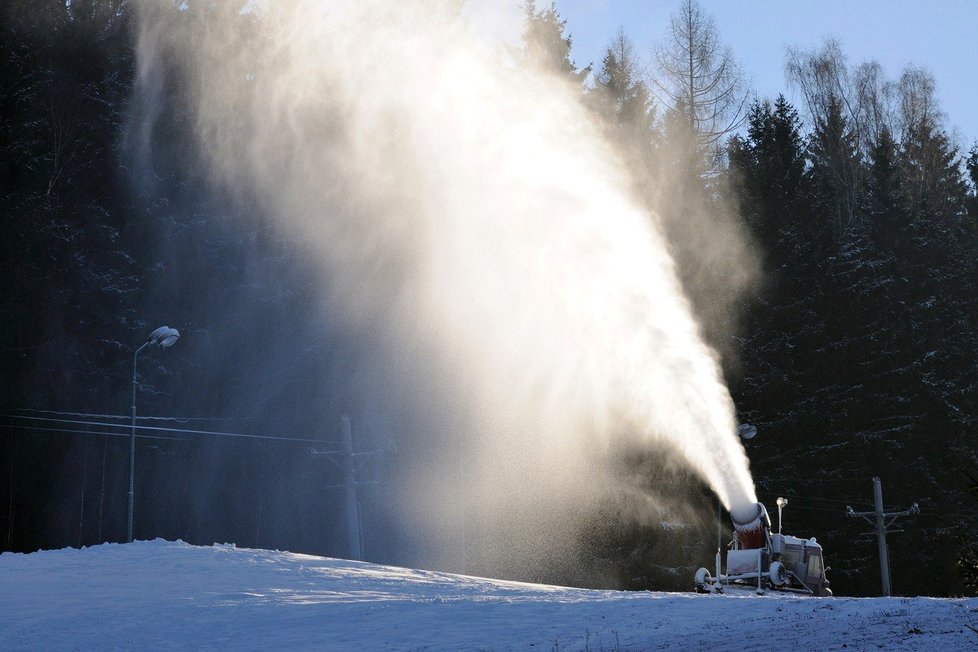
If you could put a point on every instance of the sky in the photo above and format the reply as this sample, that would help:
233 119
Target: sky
940 36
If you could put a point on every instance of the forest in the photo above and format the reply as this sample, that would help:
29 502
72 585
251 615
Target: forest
846 326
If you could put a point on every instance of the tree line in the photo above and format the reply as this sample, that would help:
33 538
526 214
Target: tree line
841 302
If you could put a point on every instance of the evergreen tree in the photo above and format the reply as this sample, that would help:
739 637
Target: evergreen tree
544 43
971 164
836 169
769 166
682 155
67 279
884 188
933 185
620 90
883 181
968 557
624 104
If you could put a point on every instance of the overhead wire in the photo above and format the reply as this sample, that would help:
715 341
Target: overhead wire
138 417
822 499
817 500
90 432
216 433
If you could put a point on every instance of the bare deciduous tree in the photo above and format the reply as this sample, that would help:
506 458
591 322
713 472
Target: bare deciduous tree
832 99
697 76
874 102
823 78
64 146
869 102
867 106
917 102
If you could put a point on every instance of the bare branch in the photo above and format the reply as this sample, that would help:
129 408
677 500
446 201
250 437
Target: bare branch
697 77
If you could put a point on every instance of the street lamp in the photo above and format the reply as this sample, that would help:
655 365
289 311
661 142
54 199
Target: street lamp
781 503
163 337
746 431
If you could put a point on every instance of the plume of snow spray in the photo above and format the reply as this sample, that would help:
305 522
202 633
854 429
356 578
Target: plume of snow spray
468 215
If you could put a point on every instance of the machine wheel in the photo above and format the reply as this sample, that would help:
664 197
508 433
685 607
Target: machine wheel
702 580
778 574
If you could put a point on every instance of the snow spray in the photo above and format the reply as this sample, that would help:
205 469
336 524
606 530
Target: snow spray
469 217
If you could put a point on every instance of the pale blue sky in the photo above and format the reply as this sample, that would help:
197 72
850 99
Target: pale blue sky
939 35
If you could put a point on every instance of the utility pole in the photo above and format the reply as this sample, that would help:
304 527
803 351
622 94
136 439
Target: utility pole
878 519
350 485
349 463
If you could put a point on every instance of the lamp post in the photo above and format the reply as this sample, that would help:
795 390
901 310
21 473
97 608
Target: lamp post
163 337
781 503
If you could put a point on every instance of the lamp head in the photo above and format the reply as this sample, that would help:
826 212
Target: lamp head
164 336
746 431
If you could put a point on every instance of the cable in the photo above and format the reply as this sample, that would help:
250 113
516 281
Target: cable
89 432
808 508
822 499
122 416
122 434
181 430
821 480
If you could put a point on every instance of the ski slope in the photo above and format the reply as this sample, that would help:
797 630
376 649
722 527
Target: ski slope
159 595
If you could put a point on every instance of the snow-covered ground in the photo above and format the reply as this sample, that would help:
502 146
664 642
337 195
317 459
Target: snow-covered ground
158 595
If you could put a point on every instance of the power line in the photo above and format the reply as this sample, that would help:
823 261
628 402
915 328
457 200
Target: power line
819 499
94 433
127 417
821 480
809 508
216 433
90 432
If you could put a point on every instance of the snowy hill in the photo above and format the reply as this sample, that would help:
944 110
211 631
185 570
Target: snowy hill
163 595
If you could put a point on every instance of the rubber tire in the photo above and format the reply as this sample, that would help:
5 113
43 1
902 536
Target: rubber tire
778 574
702 580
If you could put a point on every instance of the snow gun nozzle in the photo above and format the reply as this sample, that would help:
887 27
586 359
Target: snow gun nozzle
751 525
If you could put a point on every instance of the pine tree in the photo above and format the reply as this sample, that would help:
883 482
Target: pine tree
544 43
836 169
68 278
770 167
623 102
971 164
884 188
968 557
931 170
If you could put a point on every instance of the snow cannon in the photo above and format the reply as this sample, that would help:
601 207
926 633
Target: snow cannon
752 526
759 561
